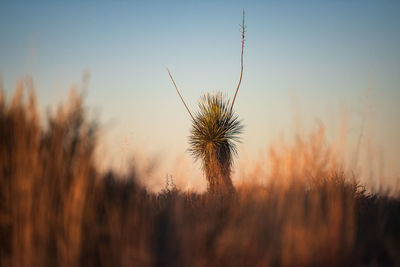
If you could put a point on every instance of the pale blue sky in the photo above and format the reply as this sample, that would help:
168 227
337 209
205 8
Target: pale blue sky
308 59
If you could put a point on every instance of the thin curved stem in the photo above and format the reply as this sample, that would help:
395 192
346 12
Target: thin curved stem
183 101
241 64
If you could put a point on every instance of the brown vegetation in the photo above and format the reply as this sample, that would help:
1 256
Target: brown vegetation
56 209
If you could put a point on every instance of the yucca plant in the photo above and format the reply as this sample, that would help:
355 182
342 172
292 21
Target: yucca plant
213 135
215 131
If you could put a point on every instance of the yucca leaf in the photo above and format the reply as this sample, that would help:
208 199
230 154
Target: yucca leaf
214 124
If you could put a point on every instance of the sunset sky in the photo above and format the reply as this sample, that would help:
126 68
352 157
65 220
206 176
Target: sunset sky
305 63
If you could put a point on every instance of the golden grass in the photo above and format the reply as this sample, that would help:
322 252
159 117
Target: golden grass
57 209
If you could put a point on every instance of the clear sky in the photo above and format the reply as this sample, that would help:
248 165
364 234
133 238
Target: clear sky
304 61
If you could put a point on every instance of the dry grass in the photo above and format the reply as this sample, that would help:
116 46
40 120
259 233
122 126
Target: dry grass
56 209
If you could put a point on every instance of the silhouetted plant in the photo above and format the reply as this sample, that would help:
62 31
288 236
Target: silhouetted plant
214 132
215 129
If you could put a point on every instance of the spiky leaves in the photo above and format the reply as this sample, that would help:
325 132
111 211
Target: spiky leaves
213 139
214 133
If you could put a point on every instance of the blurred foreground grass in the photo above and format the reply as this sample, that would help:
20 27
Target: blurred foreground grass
57 209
